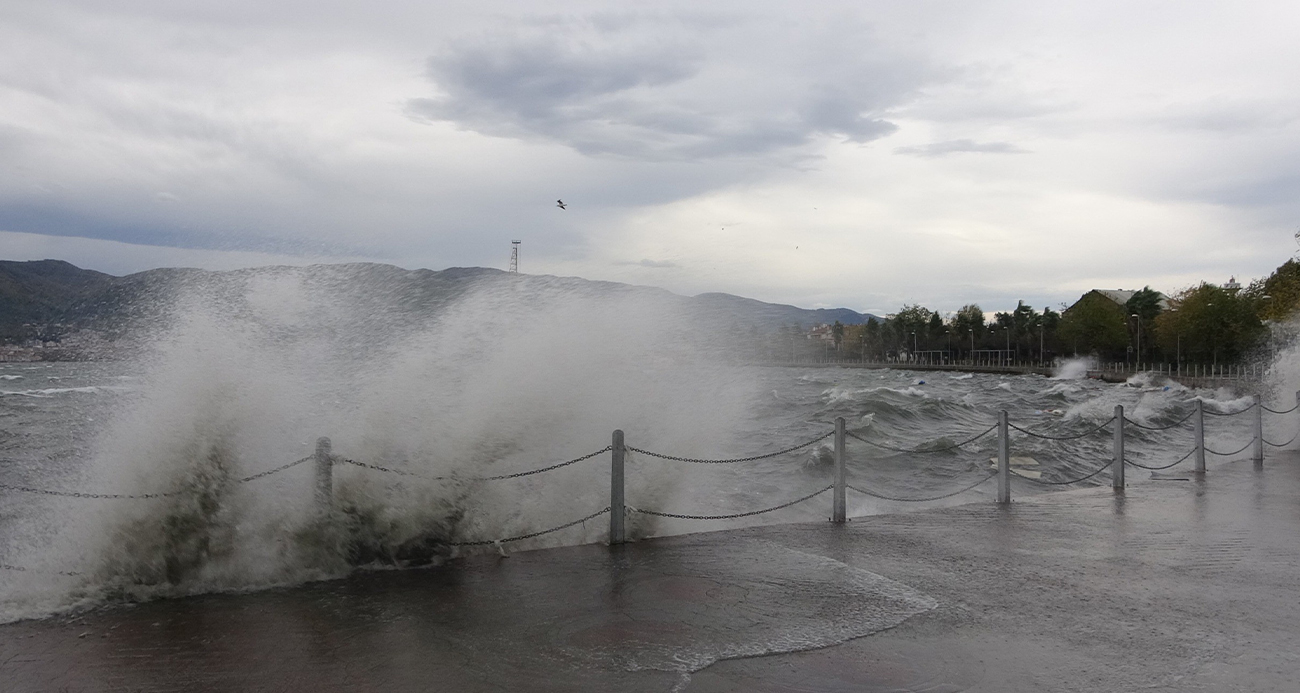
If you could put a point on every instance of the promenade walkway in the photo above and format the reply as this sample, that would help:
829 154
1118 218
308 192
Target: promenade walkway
1176 585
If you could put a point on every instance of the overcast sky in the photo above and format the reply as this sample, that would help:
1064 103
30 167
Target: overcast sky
851 154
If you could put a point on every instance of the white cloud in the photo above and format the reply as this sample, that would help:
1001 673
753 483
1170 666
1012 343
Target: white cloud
749 148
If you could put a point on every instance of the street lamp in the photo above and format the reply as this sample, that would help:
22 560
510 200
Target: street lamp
1139 334
914 356
1007 329
1042 326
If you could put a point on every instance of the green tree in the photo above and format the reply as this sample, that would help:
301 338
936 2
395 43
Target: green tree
911 320
1145 304
1094 324
1210 324
968 324
1278 295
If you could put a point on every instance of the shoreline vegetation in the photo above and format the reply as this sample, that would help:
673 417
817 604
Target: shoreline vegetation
1204 327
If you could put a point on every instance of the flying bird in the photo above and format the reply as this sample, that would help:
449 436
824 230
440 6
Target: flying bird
560 204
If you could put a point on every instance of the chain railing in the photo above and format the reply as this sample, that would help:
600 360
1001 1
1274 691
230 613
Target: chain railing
1044 436
1066 482
733 460
923 449
732 516
453 477
926 499
142 496
1238 451
1176 462
618 509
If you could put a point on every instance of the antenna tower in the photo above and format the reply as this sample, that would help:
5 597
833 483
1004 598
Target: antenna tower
514 256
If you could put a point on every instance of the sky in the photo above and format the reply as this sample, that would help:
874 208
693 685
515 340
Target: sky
824 154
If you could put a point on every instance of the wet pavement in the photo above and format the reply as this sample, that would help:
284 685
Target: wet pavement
1173 585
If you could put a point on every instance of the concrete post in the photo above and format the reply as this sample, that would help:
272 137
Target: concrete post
840 503
616 510
1258 455
1117 467
1004 458
1198 422
324 495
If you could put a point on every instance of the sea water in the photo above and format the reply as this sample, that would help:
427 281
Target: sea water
494 384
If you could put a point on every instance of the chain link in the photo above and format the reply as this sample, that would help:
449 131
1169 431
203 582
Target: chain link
1282 445
277 470
20 569
516 475
1243 411
732 516
1062 483
489 542
1234 452
1047 437
695 460
1284 411
920 500
79 494
1131 463
1161 428
141 496
922 450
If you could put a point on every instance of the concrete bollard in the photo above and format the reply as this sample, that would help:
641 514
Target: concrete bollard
1258 454
839 509
324 495
616 500
1117 467
1004 458
1198 425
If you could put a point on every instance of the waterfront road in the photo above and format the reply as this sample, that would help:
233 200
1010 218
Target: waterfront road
1189 585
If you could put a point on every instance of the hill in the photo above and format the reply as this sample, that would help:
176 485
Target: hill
52 299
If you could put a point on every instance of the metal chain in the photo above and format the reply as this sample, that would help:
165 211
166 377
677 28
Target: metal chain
733 516
1131 463
1047 437
1062 483
1161 428
516 475
521 537
733 460
1228 454
1284 411
277 470
920 500
922 450
20 569
141 496
79 494
1266 441
1243 411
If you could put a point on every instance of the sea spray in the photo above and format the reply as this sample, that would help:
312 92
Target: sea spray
515 374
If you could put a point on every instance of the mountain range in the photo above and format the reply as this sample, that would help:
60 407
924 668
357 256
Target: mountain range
49 299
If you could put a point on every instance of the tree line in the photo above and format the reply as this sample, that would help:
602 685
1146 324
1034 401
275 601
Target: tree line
1205 323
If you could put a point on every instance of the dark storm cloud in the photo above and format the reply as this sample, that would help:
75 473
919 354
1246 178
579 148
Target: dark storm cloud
960 146
126 226
647 90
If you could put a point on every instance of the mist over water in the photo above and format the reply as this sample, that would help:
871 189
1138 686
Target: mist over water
514 373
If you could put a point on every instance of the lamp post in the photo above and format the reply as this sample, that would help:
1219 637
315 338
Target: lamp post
914 357
1139 339
1007 358
1042 327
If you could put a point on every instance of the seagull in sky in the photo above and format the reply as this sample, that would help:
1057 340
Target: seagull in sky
560 204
